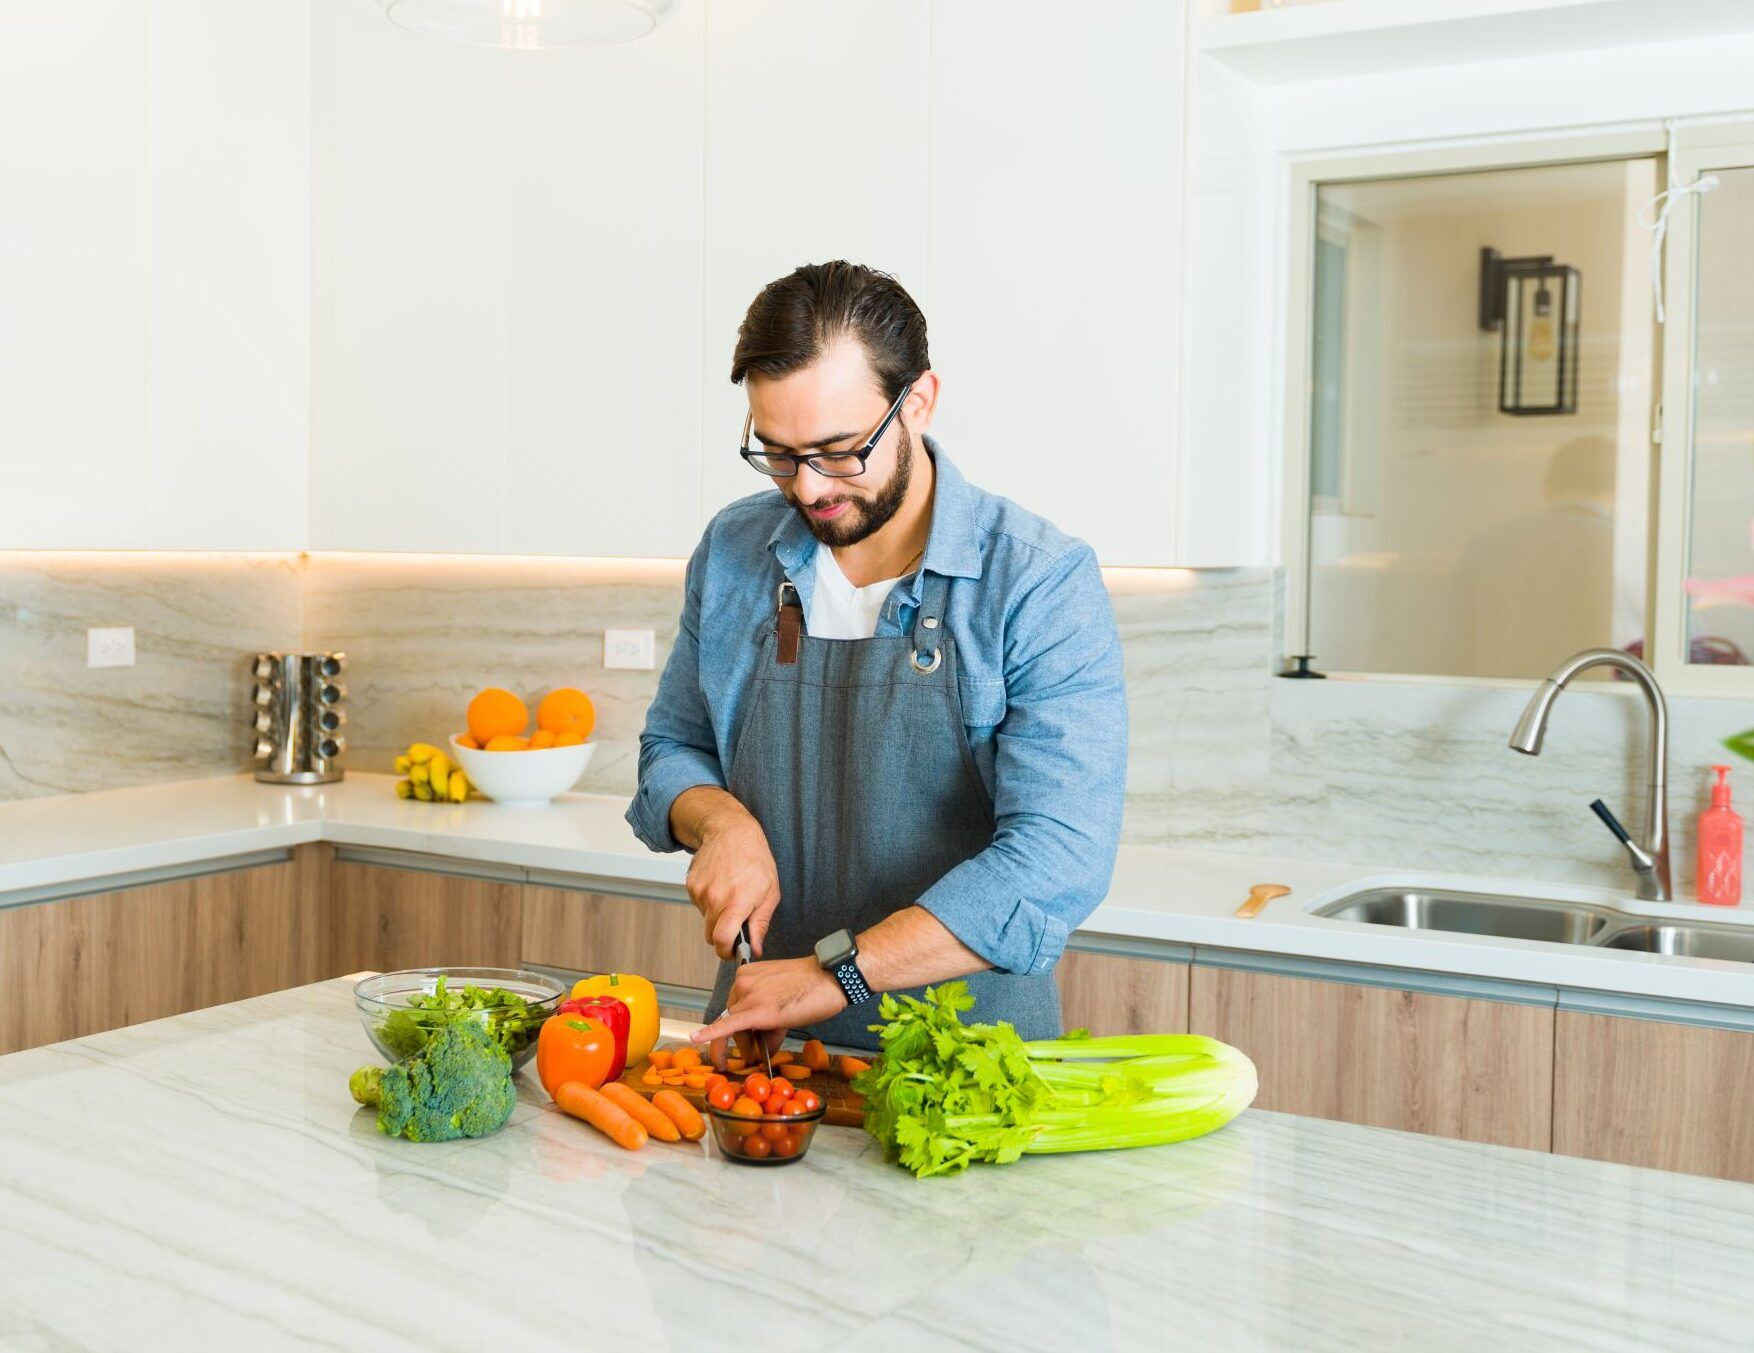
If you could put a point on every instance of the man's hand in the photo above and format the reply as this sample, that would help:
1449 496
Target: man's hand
732 878
767 999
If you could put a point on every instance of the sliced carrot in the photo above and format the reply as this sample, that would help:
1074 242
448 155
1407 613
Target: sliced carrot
683 1058
815 1056
852 1066
794 1071
661 1057
736 1065
672 1077
686 1117
781 1057
581 1101
696 1081
652 1077
637 1107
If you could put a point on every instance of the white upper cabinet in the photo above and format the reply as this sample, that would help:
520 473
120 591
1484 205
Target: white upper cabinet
1054 207
154 336
507 293
816 134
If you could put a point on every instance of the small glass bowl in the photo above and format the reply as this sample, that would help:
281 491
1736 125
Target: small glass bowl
783 1138
384 998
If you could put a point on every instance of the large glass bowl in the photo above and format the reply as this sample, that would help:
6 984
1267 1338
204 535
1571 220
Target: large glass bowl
397 1029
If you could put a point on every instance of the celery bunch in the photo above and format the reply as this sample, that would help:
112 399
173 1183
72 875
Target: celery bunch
946 1094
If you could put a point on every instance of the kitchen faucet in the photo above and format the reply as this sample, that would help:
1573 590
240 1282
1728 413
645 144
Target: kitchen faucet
1650 860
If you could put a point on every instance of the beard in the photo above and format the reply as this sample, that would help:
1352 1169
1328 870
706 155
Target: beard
864 517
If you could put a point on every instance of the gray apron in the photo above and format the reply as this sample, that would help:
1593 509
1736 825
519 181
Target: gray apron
855 762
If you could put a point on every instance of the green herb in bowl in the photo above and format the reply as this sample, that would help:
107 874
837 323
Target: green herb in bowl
402 1011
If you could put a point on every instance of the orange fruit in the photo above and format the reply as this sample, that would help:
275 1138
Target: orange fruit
570 738
567 710
496 713
542 737
507 742
465 740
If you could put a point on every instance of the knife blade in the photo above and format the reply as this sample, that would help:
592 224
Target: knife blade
745 952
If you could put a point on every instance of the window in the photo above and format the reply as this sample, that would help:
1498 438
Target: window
1475 433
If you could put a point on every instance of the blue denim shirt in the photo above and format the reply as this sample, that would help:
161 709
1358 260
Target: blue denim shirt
1043 700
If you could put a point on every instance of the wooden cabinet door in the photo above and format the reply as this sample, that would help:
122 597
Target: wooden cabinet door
600 932
1114 994
1642 1092
86 964
1475 1069
383 919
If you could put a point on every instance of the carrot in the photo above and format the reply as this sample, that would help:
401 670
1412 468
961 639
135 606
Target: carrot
815 1056
686 1117
852 1066
782 1057
652 1077
736 1065
683 1058
639 1108
794 1071
672 1077
696 1082
661 1058
602 1113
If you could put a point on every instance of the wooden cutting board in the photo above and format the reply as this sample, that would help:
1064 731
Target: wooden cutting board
843 1107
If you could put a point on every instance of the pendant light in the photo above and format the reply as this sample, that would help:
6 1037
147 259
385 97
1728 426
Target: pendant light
530 25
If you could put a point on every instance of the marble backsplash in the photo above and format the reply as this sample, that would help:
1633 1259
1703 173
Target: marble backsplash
1224 755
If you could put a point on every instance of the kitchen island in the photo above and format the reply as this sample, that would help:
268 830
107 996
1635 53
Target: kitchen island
205 1181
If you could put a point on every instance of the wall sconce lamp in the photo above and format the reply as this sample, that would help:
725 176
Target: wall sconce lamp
1533 303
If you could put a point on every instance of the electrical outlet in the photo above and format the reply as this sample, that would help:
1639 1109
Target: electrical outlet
110 647
636 649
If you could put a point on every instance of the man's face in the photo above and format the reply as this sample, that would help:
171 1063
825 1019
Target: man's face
834 405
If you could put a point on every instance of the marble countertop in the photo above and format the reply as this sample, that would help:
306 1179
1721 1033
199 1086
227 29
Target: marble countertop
205 1181
1176 896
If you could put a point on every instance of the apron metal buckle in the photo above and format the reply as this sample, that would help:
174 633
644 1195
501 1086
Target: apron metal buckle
926 668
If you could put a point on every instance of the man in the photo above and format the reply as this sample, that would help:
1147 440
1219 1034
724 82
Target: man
893 727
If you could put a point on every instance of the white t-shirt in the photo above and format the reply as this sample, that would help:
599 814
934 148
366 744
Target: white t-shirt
838 610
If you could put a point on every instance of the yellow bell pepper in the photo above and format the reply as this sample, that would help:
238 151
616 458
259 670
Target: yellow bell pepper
641 999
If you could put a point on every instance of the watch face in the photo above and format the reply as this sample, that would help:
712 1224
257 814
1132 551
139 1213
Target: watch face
834 950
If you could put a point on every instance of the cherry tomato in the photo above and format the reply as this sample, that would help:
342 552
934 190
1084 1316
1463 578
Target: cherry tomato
721 1096
809 1099
757 1148
716 1079
774 1131
745 1108
778 1092
792 1108
787 1146
757 1087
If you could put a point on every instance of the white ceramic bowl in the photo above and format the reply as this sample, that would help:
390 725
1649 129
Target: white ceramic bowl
523 779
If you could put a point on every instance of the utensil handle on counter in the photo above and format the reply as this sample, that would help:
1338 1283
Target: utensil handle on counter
1259 896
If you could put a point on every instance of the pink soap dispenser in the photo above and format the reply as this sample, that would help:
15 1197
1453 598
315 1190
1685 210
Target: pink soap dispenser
1719 878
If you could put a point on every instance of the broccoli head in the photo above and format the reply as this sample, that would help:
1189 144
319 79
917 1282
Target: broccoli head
458 1085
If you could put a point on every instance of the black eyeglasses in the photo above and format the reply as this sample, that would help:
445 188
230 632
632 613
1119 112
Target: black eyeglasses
832 464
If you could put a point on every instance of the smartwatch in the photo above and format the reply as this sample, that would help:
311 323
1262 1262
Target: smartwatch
838 954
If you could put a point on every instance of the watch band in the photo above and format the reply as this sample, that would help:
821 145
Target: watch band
852 982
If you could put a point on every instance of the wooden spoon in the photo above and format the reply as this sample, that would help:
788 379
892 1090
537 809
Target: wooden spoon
1259 896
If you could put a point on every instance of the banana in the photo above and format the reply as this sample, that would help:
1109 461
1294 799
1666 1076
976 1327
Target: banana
438 776
419 774
402 765
404 789
423 792
459 786
422 752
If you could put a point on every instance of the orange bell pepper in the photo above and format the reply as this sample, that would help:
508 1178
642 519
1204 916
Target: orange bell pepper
573 1048
641 999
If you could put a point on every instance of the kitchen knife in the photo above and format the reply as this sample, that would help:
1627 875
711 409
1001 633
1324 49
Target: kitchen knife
745 952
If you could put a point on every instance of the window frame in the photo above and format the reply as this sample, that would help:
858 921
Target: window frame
1304 177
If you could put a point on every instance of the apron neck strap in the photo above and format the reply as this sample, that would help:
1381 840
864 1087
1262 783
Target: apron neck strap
788 625
929 623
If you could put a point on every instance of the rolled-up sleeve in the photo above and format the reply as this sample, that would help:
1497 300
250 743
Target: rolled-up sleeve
1060 774
677 750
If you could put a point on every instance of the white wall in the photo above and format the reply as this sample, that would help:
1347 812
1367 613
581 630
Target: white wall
154 330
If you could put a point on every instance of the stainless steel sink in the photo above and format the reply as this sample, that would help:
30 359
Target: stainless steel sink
1689 941
1517 918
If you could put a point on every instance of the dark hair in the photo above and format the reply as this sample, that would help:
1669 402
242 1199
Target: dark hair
795 319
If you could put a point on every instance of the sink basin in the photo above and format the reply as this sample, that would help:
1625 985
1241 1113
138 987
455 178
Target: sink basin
1691 941
1517 918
